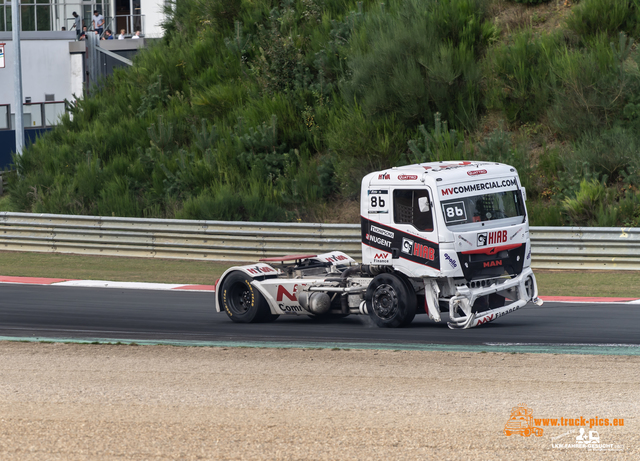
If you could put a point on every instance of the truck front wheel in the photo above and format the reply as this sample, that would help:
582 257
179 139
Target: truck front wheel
390 302
242 302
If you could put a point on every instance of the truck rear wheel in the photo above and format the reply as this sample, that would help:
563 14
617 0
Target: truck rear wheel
242 302
390 301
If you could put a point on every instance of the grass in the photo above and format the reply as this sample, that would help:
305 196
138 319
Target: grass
550 282
588 283
110 268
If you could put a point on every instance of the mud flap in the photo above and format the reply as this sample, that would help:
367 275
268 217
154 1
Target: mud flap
431 292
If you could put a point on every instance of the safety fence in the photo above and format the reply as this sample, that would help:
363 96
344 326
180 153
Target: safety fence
552 247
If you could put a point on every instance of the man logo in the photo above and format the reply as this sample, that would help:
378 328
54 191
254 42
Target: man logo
492 263
407 246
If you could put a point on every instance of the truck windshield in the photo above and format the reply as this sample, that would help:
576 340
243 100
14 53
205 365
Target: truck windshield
483 208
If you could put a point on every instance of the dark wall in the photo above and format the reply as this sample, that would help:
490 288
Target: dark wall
8 143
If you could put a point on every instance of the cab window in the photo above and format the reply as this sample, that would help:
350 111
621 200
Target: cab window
407 211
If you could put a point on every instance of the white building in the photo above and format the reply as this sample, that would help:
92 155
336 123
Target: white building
54 15
54 64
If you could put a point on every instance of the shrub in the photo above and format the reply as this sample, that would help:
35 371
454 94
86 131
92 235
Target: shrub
609 17
420 61
592 86
438 144
362 145
519 77
531 2
614 154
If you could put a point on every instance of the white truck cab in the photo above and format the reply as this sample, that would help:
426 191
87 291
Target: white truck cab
436 237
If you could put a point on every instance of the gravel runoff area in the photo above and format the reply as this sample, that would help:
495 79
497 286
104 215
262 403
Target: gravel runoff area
109 402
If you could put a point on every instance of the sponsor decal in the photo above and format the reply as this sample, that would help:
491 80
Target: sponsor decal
384 176
497 237
381 231
452 261
465 240
515 233
508 311
476 172
290 308
485 319
454 165
407 245
529 254
477 187
284 298
407 177
382 258
492 263
491 238
417 249
259 270
378 240
282 292
336 258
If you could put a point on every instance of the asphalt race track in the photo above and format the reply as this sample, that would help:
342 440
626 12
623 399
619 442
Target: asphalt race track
83 313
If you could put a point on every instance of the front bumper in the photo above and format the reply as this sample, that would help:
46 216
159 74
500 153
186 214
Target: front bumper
520 290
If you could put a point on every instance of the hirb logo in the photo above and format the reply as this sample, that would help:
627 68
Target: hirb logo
407 246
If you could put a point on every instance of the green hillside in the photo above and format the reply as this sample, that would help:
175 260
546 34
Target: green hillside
273 110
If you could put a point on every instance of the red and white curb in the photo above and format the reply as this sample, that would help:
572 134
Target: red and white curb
588 299
104 284
181 287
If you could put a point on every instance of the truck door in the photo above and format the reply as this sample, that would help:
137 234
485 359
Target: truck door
413 215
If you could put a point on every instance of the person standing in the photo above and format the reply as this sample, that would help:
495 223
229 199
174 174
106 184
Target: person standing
98 22
83 34
77 24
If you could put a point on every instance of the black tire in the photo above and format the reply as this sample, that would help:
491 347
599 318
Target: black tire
242 302
391 302
412 295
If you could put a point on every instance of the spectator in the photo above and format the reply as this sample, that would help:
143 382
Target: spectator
121 36
63 28
107 35
137 34
98 22
83 34
77 24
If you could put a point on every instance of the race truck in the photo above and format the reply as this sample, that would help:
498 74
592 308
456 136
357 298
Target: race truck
445 237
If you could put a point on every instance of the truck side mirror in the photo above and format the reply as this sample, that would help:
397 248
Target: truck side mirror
423 204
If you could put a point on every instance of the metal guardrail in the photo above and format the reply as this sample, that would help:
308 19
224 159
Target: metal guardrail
552 247
171 238
615 248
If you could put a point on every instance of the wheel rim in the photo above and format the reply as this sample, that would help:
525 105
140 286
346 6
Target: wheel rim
241 298
385 301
